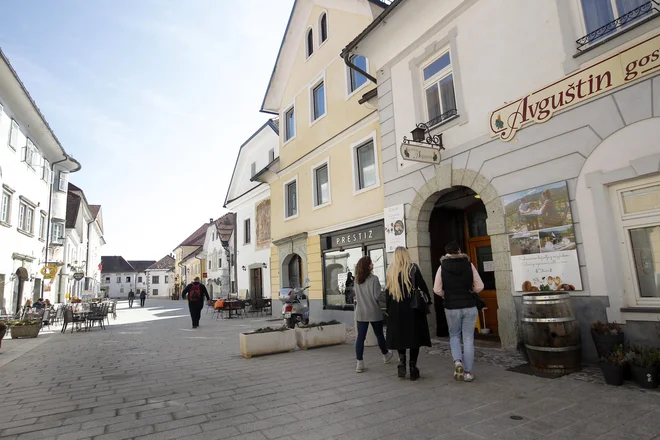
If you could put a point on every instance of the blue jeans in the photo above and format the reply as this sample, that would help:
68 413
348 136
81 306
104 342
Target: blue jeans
462 321
362 328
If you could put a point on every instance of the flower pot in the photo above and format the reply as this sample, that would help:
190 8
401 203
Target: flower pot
606 343
256 344
613 374
320 336
25 331
646 377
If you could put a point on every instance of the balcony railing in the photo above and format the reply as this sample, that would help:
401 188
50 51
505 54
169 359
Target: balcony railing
450 114
648 9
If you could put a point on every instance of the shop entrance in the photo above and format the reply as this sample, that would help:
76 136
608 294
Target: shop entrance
460 215
256 284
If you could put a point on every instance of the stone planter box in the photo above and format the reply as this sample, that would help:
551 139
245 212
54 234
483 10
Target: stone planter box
320 336
257 344
25 331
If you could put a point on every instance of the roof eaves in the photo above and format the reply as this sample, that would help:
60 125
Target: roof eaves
362 35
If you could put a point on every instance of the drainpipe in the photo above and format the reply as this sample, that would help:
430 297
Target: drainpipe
50 206
349 63
201 272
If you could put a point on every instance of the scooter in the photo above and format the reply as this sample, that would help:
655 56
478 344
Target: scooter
295 306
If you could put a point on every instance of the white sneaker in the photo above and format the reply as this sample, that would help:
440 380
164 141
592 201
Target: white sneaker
468 377
458 370
387 357
360 367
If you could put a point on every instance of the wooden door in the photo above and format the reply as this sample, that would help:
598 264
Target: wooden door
481 255
256 292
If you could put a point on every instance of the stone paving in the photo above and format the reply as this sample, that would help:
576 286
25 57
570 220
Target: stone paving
149 376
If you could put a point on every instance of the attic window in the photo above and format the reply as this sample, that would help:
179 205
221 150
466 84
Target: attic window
323 25
310 43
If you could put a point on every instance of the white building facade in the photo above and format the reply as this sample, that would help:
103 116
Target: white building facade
250 200
160 276
34 171
217 251
533 102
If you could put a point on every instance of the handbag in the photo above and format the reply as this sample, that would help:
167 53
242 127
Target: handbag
419 299
480 302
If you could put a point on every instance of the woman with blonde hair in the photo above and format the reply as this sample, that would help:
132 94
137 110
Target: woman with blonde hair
407 328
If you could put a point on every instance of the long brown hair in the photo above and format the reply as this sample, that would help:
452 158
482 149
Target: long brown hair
363 269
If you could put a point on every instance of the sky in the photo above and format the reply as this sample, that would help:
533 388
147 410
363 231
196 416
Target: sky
152 97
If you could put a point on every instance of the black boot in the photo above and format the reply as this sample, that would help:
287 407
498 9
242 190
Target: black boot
402 365
414 371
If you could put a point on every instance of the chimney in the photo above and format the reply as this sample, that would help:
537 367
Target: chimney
211 221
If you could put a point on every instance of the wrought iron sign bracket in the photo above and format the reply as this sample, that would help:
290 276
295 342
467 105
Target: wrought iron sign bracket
422 134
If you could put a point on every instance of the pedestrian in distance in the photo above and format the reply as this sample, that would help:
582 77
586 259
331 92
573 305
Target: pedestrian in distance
196 292
131 298
367 311
458 281
143 297
407 328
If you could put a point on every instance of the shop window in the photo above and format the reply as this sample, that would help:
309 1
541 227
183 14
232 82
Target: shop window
439 89
639 232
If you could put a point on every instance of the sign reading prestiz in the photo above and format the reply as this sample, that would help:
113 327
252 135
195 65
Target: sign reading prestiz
539 106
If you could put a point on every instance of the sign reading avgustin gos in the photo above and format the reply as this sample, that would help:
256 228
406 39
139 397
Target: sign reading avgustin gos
608 74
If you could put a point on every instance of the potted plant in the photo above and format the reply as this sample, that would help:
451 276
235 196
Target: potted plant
3 330
320 334
24 328
614 366
607 337
267 340
645 365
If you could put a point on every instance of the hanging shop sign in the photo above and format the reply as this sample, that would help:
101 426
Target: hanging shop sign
49 271
78 276
423 147
629 65
395 227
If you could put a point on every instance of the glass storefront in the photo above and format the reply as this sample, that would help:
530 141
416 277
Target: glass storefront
341 252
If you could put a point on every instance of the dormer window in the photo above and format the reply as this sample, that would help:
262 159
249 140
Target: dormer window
309 42
323 28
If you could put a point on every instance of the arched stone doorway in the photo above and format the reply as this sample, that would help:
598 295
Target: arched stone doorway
418 237
292 271
19 285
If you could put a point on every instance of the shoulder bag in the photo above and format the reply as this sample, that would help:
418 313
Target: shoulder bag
419 299
480 302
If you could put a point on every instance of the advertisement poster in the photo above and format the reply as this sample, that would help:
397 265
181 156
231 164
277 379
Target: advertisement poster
395 227
542 239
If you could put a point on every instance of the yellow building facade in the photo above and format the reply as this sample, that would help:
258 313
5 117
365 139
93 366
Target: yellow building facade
326 191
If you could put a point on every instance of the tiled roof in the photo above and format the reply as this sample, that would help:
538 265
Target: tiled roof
167 262
95 210
192 254
115 263
72 208
196 238
141 265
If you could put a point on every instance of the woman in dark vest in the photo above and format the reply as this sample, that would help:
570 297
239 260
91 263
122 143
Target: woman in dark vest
455 281
407 328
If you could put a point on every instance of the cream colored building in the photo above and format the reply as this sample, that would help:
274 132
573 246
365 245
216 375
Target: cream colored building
326 192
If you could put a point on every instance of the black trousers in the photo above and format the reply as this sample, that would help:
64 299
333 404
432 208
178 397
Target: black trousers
414 354
142 300
130 302
195 312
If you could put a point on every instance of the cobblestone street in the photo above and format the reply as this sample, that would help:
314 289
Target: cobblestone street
149 376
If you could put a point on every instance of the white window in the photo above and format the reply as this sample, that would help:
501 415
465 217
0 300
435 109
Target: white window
438 83
154 292
289 124
121 289
45 171
166 279
253 169
118 280
128 279
29 153
321 184
317 98
42 226
62 181
247 237
291 198
57 234
5 208
355 79
638 218
323 28
598 13
107 279
309 42
25 218
365 164
13 135
155 279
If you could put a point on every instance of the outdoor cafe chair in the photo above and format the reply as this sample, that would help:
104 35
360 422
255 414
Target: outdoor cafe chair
97 315
45 319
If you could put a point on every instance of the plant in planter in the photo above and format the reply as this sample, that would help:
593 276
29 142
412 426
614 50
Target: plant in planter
267 340
3 330
607 337
24 328
614 365
645 366
320 334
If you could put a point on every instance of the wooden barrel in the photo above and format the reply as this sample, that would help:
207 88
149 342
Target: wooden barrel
550 332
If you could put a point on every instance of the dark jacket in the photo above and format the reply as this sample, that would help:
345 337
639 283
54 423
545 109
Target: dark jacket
202 290
131 295
457 280
143 295
407 328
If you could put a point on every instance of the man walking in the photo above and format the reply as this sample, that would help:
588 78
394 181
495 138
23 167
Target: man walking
131 298
196 293
143 297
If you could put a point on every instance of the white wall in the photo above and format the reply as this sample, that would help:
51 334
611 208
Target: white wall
165 289
115 288
217 264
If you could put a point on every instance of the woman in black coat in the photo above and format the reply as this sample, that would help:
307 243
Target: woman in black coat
407 328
